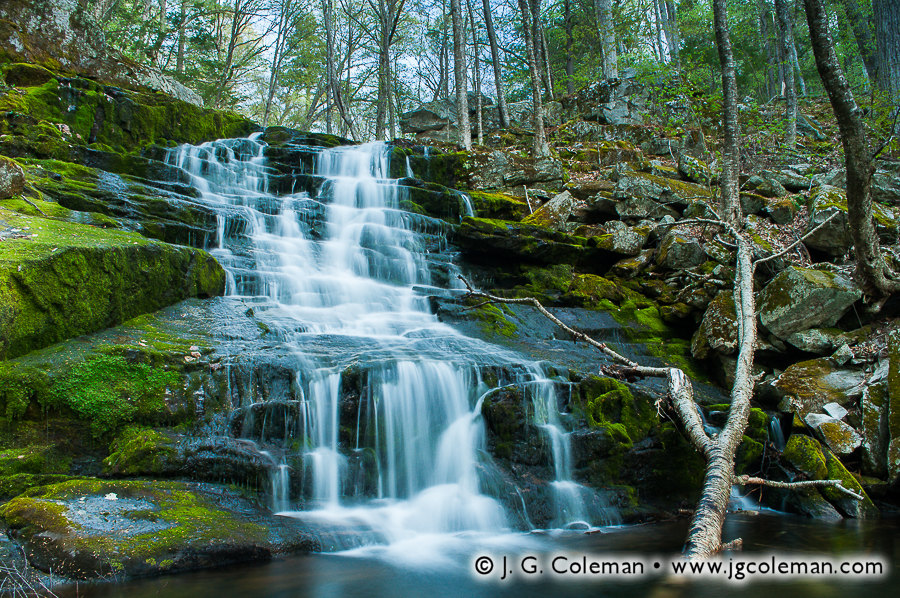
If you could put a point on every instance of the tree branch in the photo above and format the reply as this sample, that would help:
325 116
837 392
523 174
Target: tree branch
745 480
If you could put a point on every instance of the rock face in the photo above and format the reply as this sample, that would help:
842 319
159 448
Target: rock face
801 298
621 101
438 120
59 280
814 383
62 35
12 178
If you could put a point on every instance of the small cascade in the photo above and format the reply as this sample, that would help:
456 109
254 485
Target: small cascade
409 170
380 434
776 433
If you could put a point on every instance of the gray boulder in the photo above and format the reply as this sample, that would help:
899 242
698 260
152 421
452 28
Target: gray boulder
12 178
802 298
680 249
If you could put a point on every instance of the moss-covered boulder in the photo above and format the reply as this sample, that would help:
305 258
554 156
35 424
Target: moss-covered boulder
874 422
482 239
893 423
89 529
813 384
816 462
555 213
679 250
498 205
59 280
718 330
802 298
834 237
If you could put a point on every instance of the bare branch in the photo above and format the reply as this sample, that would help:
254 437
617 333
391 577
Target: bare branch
795 243
836 484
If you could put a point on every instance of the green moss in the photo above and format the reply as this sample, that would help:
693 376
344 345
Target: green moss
139 451
494 320
109 391
610 404
66 279
495 204
805 454
748 456
184 519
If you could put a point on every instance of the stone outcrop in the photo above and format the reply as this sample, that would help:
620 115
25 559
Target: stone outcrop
61 35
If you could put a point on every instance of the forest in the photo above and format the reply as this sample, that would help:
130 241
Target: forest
352 67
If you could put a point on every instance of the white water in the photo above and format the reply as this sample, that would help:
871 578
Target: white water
337 278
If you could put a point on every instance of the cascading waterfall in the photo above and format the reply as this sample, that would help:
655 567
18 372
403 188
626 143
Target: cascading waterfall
338 277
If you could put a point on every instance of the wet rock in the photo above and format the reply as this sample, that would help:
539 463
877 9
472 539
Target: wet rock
839 436
718 330
89 529
12 178
801 298
815 462
680 250
875 421
814 383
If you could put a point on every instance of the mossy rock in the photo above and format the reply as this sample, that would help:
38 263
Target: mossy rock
814 383
498 205
88 529
60 280
718 330
119 119
802 298
609 403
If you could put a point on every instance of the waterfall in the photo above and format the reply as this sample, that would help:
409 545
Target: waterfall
338 278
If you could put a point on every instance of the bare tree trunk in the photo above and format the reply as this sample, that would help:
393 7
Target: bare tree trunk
495 58
570 60
610 58
767 41
785 28
870 266
479 109
459 74
182 24
540 148
673 35
887 58
445 52
545 54
327 14
861 25
731 151
657 39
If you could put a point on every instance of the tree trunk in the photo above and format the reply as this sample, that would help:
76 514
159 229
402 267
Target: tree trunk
887 57
785 28
182 23
327 13
861 25
495 58
459 74
540 148
479 109
545 54
570 60
610 60
673 35
767 41
731 151
870 267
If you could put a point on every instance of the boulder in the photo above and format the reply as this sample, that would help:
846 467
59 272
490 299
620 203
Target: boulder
875 418
621 101
839 436
63 35
12 178
694 169
789 179
812 384
438 120
679 250
802 298
718 330
619 238
834 238
780 210
765 185
92 529
886 183
555 213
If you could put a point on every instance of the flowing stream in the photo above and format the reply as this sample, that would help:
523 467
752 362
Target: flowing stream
340 279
